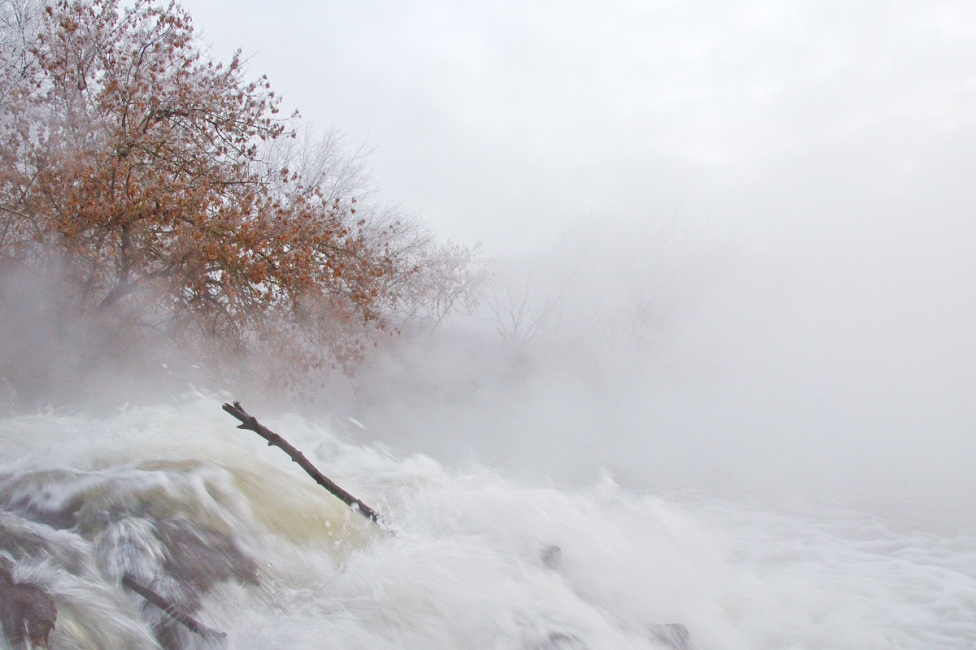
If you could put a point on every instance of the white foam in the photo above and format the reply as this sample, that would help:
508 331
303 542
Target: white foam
467 566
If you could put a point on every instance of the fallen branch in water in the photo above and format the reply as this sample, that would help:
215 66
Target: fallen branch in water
250 423
170 610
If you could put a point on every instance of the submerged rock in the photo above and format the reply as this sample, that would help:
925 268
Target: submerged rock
27 611
672 635
552 556
561 641
150 524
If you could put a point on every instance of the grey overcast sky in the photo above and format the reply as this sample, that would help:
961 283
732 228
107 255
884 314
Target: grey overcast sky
812 120
832 142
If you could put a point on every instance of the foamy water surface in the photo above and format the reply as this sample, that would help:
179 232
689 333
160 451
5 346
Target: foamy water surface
467 559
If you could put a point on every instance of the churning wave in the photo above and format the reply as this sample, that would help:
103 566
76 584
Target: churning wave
232 533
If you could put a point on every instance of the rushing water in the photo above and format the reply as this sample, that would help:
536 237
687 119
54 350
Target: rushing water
231 531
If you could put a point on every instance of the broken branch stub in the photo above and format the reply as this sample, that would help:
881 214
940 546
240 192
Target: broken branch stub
250 423
171 610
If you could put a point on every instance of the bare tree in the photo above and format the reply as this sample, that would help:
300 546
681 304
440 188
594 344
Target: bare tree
523 311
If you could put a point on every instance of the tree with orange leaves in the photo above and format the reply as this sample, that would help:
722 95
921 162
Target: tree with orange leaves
142 171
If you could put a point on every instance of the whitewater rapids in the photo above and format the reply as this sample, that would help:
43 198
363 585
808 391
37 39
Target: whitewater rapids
470 559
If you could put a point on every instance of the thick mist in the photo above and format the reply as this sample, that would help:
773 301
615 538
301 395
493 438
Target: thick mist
689 360
54 357
730 244
671 354
716 389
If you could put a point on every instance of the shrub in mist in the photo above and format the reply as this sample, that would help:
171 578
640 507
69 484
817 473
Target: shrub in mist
167 191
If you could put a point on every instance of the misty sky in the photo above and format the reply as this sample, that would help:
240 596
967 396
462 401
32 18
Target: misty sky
499 121
830 144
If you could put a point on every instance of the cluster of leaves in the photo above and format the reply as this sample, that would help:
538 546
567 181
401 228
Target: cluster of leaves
153 180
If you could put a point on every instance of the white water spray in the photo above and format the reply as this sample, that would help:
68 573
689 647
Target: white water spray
473 564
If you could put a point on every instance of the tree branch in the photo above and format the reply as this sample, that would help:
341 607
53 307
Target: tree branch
250 423
170 610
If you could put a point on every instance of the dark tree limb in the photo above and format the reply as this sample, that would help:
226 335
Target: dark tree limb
171 610
250 423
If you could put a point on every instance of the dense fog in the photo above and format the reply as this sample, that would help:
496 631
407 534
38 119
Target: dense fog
726 247
674 344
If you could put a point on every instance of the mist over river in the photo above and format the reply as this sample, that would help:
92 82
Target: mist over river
679 352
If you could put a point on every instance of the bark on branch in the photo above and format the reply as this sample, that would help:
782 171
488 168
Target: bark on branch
250 423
